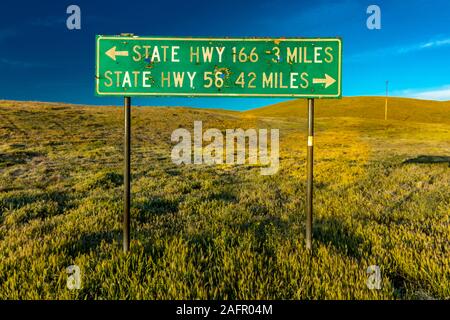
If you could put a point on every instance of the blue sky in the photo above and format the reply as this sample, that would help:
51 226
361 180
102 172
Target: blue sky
40 59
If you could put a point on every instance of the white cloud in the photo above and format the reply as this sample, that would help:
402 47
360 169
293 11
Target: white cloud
438 43
399 50
440 93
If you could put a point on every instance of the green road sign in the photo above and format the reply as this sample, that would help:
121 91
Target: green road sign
244 67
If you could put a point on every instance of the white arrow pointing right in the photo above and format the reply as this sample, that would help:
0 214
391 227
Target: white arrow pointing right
328 81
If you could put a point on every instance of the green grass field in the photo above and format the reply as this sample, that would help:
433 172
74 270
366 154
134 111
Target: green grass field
382 197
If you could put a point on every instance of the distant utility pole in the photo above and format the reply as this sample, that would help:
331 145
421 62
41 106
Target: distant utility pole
385 104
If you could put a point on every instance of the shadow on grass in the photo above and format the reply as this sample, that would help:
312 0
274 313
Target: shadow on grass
156 205
20 200
331 231
428 159
264 229
221 195
17 157
17 201
90 242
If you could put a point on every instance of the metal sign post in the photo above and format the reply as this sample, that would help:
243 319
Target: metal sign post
127 175
310 177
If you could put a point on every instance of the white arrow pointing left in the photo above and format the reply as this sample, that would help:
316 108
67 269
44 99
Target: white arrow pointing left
113 53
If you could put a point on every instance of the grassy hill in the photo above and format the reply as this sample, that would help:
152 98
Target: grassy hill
402 109
382 197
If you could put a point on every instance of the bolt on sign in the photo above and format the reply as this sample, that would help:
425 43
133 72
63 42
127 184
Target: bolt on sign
227 67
